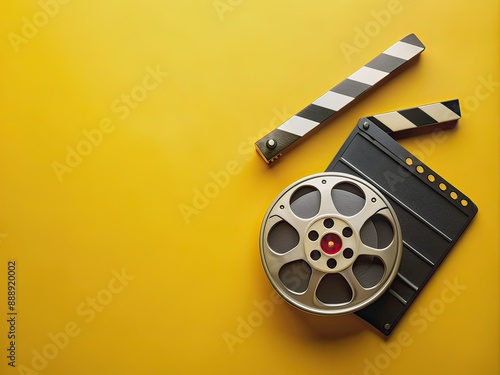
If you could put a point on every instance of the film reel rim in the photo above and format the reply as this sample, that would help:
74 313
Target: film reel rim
328 309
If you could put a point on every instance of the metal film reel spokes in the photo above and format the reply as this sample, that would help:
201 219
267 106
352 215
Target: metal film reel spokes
331 244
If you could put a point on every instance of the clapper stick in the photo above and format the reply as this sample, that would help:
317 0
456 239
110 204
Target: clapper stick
329 105
418 120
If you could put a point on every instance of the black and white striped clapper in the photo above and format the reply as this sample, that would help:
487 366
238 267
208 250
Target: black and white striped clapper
413 121
378 70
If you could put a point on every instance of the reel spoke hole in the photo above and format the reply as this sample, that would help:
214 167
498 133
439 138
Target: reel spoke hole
377 232
305 202
348 199
333 289
295 276
282 237
368 270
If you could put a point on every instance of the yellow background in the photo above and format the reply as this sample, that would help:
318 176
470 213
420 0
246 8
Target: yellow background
235 69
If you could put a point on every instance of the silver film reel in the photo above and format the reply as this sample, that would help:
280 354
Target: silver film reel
331 244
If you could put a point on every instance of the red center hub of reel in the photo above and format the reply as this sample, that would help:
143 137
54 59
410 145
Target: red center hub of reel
331 243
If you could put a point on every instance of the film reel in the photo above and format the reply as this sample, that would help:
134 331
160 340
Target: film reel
331 244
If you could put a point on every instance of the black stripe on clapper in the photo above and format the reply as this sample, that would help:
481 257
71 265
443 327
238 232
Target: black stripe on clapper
417 116
350 88
412 39
386 63
453 105
316 113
